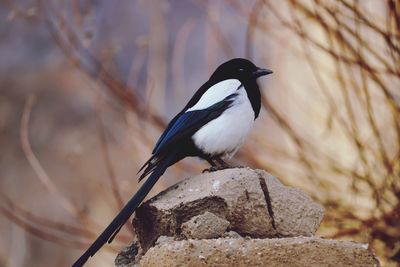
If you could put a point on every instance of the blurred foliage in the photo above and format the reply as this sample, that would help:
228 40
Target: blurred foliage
330 123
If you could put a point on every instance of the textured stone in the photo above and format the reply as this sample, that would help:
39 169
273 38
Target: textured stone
204 226
231 234
297 251
239 196
129 256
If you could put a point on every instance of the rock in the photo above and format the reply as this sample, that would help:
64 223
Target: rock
225 218
254 203
297 251
231 234
164 239
128 256
204 226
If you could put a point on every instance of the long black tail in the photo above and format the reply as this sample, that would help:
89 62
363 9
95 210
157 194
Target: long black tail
130 207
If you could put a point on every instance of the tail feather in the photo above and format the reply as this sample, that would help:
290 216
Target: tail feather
113 228
148 162
149 166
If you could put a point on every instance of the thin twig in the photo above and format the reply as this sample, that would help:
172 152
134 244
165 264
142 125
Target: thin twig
35 163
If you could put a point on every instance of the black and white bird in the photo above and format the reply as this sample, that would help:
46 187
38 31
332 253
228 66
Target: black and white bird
212 126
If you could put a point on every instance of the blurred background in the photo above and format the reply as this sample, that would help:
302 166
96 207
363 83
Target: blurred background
87 86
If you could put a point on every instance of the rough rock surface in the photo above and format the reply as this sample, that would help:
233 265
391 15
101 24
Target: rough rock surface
233 218
204 226
247 199
129 256
297 251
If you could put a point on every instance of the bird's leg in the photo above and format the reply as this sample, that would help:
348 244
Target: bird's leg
223 164
213 167
211 161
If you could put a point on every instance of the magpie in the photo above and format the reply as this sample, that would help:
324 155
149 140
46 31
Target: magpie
212 126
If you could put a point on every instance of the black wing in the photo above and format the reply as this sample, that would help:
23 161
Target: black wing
184 126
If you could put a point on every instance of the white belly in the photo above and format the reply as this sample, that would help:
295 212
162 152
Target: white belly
227 133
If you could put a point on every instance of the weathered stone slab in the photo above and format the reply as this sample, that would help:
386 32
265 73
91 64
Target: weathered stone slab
294 251
254 203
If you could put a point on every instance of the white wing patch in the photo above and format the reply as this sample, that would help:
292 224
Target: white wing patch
226 134
216 93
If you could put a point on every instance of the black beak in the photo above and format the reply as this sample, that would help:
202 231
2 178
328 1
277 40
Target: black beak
261 72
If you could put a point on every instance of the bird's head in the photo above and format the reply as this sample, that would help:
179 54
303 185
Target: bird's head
239 68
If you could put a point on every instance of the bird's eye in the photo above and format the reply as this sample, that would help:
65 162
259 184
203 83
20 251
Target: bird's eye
241 69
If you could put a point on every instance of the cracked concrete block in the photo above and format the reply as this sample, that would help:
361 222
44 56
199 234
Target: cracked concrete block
295 251
254 203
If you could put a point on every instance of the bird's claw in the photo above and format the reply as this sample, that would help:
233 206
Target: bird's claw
211 169
218 168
